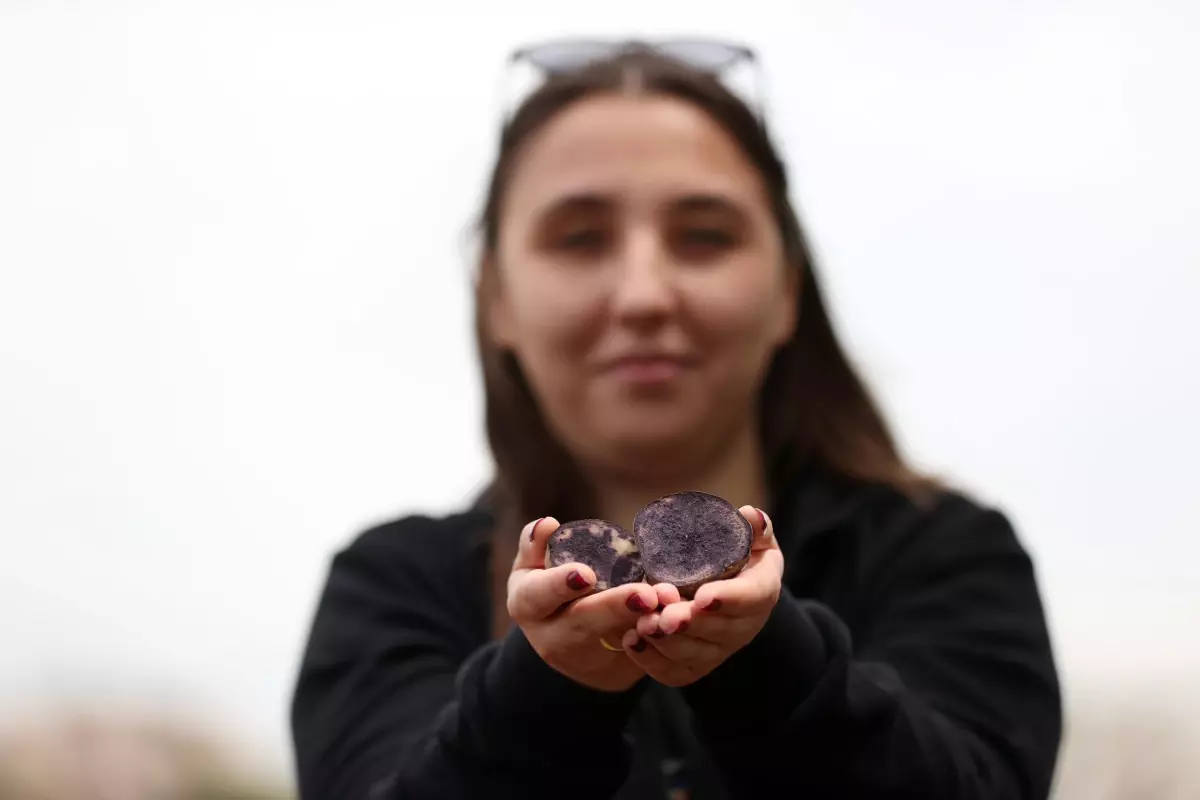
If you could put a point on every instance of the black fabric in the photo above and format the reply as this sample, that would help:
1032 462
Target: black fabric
907 658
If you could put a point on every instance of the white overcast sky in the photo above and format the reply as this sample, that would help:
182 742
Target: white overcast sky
234 321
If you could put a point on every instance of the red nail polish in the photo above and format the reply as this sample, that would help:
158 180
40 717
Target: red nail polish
575 581
636 603
638 646
533 527
713 605
762 519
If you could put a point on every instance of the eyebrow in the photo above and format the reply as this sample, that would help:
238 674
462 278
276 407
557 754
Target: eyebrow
708 202
580 201
599 201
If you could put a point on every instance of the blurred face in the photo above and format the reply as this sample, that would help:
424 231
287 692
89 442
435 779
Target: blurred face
642 282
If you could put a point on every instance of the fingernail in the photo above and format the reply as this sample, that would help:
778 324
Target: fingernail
766 521
636 603
576 581
533 528
713 605
658 633
638 646
682 627
762 519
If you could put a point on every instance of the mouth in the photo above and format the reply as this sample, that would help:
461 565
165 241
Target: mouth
647 368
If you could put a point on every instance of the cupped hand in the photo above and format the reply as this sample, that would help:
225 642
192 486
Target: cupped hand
564 619
690 638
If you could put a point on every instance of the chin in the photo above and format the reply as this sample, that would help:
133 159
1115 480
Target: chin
654 450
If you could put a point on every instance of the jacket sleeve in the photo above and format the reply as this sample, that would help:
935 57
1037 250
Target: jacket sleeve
950 690
393 702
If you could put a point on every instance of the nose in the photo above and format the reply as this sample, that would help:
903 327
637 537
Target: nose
645 293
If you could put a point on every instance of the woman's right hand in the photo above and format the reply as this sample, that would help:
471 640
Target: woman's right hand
564 619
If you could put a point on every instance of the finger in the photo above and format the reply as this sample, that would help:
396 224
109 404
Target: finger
764 529
710 627
616 609
537 594
755 586
676 617
639 650
667 593
531 552
662 669
648 627
683 648
649 658
715 628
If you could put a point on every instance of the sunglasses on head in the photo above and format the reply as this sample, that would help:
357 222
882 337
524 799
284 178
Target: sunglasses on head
561 56
716 57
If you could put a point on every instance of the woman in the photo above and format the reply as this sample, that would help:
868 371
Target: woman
649 322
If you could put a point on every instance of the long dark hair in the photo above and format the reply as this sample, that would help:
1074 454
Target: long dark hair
815 410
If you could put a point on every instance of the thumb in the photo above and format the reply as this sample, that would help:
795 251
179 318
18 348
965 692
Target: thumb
531 550
763 537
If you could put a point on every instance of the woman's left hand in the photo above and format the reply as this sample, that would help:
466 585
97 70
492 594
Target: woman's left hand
690 638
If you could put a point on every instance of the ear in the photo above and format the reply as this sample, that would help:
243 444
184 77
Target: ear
490 294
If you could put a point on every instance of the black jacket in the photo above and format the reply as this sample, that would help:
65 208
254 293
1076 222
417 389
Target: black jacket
907 658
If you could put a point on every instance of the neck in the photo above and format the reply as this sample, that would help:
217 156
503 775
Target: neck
735 474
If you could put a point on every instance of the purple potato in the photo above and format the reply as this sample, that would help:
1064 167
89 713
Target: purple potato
607 548
691 538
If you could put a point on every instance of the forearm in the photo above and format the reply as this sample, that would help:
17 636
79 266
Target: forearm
794 711
521 729
507 725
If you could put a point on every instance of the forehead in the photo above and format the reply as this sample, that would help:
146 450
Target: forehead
633 149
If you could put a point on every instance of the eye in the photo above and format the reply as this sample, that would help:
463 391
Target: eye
702 242
709 236
582 240
705 227
578 227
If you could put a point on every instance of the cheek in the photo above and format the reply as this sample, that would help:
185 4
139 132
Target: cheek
552 322
738 318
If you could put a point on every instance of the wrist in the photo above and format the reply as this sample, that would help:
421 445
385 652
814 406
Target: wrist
760 685
536 692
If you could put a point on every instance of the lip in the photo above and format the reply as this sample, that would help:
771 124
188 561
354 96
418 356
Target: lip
647 368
